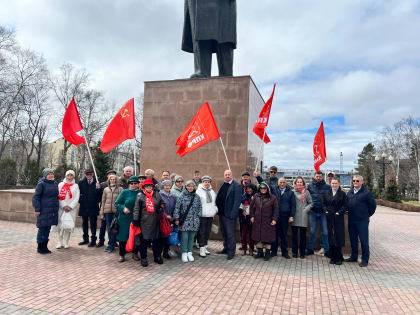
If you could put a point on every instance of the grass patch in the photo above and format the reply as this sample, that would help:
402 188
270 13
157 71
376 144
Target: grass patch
412 202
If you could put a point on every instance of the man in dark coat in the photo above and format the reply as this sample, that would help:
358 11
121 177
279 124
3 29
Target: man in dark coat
90 194
318 189
362 206
287 209
228 201
210 27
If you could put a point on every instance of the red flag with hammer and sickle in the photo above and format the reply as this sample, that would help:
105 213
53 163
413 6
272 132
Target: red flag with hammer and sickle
201 130
121 127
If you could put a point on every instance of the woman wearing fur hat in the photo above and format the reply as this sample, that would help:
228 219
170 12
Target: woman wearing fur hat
68 197
108 210
209 210
264 212
187 216
45 202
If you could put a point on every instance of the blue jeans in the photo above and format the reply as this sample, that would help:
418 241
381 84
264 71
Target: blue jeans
111 236
43 234
359 230
313 224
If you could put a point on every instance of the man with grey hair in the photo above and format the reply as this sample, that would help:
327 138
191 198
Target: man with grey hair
128 172
149 173
361 207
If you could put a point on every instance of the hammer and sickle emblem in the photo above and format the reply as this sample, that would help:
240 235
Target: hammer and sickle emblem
124 113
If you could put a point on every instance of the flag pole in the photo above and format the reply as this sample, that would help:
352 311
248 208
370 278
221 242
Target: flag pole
261 149
135 159
224 151
91 160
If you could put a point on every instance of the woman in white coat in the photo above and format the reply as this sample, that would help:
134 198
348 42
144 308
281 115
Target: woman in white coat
68 199
209 210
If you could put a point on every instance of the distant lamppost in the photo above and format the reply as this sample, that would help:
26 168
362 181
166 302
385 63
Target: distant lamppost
382 160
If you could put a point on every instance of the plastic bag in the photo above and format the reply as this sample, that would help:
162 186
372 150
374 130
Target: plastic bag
134 230
67 221
173 237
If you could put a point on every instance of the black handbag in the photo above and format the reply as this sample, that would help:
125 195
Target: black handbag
114 227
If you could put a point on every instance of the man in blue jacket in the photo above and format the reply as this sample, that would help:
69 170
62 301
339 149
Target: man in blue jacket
362 206
287 209
318 189
228 201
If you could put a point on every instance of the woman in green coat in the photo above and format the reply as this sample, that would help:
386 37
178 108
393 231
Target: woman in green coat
125 206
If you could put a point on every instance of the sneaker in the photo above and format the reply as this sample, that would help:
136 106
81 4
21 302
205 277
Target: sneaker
202 252
190 256
172 253
59 245
206 251
184 257
66 246
321 252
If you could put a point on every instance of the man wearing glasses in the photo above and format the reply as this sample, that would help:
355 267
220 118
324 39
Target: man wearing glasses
362 206
271 180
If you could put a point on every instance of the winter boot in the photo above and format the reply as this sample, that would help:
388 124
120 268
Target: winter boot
47 251
39 249
203 252
267 255
259 254
144 262
66 237
60 240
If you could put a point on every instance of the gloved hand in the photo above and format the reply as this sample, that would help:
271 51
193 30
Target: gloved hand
136 223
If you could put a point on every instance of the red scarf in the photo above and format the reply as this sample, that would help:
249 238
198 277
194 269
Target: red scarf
64 190
149 201
302 192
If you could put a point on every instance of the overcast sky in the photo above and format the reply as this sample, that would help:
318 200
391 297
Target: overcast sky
355 64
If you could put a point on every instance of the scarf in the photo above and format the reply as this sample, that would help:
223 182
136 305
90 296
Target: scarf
302 192
64 190
334 192
149 201
209 199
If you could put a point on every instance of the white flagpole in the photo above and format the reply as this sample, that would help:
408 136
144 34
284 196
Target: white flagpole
91 160
224 151
261 149
135 160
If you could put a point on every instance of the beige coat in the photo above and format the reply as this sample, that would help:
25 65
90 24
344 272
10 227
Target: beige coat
108 198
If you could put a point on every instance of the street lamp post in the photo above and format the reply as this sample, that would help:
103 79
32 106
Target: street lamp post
383 161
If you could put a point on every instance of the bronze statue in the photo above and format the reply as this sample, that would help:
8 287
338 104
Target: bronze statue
210 27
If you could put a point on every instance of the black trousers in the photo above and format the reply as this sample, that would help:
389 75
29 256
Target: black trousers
85 225
121 248
156 247
335 253
164 246
281 232
204 231
302 240
102 231
228 229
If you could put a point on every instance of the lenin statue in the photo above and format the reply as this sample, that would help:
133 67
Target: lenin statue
210 27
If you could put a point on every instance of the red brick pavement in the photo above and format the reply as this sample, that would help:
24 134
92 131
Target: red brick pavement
87 280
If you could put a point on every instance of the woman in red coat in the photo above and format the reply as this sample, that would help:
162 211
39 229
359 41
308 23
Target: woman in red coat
264 212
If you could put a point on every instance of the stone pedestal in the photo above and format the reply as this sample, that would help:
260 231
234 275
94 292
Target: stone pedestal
170 105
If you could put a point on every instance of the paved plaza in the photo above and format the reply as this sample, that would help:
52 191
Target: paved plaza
83 280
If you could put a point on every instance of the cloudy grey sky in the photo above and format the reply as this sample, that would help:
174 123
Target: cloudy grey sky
355 64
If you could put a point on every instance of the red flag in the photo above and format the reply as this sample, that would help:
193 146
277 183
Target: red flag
121 127
262 120
320 154
201 130
72 124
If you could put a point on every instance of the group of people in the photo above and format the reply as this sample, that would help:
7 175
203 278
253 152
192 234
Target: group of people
265 211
